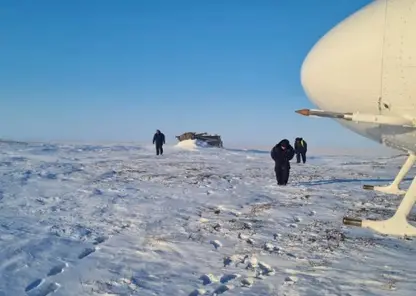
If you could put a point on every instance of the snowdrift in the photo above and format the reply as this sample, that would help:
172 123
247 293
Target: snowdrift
192 144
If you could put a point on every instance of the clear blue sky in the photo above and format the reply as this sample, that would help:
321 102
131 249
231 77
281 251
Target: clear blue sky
118 70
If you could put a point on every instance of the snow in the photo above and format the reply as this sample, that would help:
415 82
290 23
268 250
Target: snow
192 144
118 220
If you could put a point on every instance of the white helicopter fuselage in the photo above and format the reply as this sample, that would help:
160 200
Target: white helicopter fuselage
362 73
367 65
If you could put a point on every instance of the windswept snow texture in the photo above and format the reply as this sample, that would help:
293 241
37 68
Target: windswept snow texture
119 220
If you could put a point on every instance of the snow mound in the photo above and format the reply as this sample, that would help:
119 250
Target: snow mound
192 144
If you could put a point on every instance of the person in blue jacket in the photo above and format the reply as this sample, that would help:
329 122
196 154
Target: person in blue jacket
159 140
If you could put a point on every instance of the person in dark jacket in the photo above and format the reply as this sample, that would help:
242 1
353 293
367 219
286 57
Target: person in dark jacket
282 153
301 147
159 140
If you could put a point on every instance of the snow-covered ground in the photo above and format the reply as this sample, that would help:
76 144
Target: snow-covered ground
118 220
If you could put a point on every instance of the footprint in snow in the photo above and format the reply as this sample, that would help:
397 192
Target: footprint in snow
236 259
49 289
198 292
217 244
57 269
34 285
86 252
266 269
228 277
297 219
223 288
208 279
290 280
291 255
247 282
100 240
46 290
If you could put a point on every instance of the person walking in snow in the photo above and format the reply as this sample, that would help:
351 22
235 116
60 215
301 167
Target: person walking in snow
159 140
282 153
301 147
